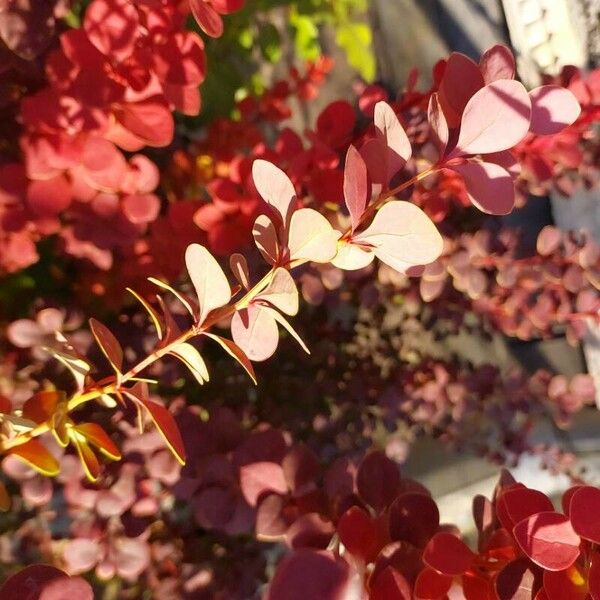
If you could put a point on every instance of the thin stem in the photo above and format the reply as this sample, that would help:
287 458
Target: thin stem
115 382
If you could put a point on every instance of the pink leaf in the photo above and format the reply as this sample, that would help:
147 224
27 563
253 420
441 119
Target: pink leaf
274 186
496 63
239 267
552 109
281 292
310 575
356 185
496 118
81 555
402 236
141 208
490 187
210 283
548 540
398 144
260 477
311 237
438 123
67 587
149 120
265 238
254 330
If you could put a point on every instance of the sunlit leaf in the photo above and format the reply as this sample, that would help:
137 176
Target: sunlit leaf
438 123
35 454
89 461
239 267
108 343
96 436
78 367
496 118
311 237
151 312
265 238
352 256
42 405
281 292
402 235
209 281
398 144
274 186
180 297
254 330
192 360
286 325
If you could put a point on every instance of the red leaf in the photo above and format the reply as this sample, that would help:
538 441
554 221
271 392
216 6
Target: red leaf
50 197
490 187
235 352
431 585
311 530
496 118
594 576
358 533
108 343
104 167
254 330
390 584
548 540
310 575
356 185
377 480
460 81
88 459
496 63
260 477
584 511
414 518
207 18
150 120
37 456
301 469
29 583
270 521
520 503
42 405
99 438
112 26
569 584
66 587
448 554
516 581
336 123
552 109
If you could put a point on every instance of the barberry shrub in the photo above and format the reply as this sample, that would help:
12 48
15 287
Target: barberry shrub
122 456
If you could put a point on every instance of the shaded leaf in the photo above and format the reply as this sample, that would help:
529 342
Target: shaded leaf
286 325
448 554
490 187
584 511
29 582
356 185
516 581
151 312
497 62
390 584
431 585
351 257
438 123
236 352
65 588
108 343
239 267
265 238
180 297
552 109
260 477
358 532
209 281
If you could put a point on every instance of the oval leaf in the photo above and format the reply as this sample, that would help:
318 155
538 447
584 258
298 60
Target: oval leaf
274 186
282 292
311 237
192 359
108 343
552 109
448 554
356 185
254 330
548 540
398 145
497 62
209 281
496 118
35 454
584 511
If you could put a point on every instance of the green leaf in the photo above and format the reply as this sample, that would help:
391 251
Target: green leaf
269 42
355 39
